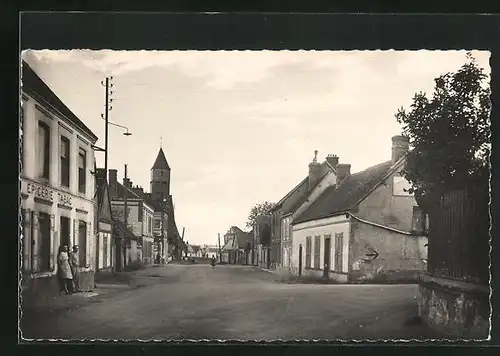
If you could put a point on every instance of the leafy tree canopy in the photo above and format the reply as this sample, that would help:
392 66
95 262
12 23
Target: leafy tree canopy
261 209
449 132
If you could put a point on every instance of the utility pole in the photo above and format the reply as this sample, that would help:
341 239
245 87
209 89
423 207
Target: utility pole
107 108
220 252
182 238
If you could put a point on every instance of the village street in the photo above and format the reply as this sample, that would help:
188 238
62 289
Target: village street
235 302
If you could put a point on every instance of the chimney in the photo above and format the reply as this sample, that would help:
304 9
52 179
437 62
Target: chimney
127 183
400 146
314 171
343 171
113 180
138 190
333 160
100 173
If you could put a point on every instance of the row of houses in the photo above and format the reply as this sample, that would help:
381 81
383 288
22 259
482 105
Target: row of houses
66 200
205 251
349 227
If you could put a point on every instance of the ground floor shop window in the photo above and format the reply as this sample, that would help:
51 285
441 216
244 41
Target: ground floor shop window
82 242
43 250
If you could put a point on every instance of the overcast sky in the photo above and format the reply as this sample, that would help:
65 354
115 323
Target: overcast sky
240 127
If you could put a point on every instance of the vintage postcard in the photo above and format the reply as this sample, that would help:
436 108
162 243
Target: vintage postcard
254 195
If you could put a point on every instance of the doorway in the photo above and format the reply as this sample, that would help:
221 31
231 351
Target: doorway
327 263
64 231
300 260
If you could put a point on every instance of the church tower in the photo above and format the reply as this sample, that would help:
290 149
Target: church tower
160 177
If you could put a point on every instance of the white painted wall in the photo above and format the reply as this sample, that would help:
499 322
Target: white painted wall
82 204
322 227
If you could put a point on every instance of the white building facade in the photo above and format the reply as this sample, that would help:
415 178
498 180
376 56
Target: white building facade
56 185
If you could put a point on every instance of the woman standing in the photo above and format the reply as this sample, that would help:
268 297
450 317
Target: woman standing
64 270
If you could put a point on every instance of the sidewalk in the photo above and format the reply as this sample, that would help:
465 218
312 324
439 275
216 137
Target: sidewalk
108 284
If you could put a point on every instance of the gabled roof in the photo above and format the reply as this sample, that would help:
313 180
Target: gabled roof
33 85
348 194
303 198
161 161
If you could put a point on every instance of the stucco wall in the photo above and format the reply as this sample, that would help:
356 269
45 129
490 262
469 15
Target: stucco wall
328 226
385 208
399 256
57 201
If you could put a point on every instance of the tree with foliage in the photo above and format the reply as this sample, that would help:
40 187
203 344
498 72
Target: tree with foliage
449 133
261 209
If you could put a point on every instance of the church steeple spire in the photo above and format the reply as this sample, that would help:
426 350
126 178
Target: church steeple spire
161 161
160 177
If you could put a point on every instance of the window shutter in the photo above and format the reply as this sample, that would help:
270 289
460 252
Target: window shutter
53 242
34 244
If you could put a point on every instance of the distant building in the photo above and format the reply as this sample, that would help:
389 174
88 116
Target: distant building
237 246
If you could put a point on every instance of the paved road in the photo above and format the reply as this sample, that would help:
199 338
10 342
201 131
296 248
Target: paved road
237 303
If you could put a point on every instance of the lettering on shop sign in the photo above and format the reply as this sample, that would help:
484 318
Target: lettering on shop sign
40 192
64 199
47 194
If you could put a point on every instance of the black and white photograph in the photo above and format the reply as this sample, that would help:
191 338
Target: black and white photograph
254 195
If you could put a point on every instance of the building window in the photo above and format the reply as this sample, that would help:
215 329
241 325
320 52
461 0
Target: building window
317 251
157 224
418 220
44 247
82 242
308 252
339 247
82 170
65 153
43 150
401 187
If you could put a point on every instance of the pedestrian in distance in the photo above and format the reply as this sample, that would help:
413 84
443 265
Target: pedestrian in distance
64 270
213 262
74 261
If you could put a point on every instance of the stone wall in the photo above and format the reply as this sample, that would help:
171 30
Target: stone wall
457 309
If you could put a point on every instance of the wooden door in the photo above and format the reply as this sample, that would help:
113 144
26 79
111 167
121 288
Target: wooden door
326 257
300 260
